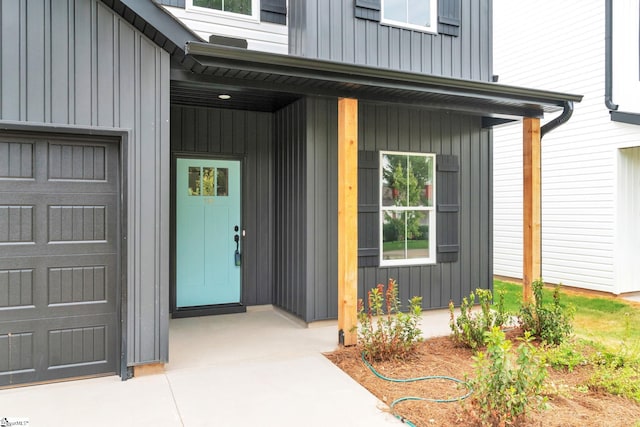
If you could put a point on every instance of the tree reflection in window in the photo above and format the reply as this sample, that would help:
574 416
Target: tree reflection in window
194 181
222 184
208 181
407 205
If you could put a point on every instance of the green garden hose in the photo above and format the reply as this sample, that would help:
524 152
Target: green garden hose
409 380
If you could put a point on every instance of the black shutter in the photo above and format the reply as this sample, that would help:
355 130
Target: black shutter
368 209
449 17
447 208
174 3
368 9
274 11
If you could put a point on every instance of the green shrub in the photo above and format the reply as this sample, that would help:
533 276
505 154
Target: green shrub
550 324
506 386
385 332
469 327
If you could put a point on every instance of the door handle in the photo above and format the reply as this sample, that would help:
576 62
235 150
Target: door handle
237 256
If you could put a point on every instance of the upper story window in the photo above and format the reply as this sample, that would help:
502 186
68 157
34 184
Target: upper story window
408 217
416 14
239 8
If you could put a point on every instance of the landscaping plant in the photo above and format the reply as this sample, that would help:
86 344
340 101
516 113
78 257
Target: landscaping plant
470 327
385 331
507 384
551 324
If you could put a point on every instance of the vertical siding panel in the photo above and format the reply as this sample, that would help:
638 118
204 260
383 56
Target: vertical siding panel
146 181
201 131
82 67
59 62
34 73
249 218
104 69
94 63
163 173
176 127
189 129
12 48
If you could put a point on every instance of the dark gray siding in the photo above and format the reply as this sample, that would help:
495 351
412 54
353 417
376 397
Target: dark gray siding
322 213
290 143
75 63
248 134
383 127
328 29
306 209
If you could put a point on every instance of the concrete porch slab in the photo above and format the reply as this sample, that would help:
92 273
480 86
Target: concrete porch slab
256 368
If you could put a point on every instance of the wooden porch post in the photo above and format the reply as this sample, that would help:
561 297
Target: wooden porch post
347 220
532 263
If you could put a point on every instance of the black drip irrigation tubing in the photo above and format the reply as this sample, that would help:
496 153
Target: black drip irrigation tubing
409 380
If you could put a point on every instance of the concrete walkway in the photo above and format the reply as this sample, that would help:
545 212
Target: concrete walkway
259 368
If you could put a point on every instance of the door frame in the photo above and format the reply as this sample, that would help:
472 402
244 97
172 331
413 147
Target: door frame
121 139
204 310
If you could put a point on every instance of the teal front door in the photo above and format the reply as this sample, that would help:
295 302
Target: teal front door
208 232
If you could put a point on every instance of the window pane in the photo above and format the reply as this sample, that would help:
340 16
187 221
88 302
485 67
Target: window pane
211 4
417 234
405 235
394 180
419 13
421 179
238 6
194 181
393 235
222 182
395 10
207 181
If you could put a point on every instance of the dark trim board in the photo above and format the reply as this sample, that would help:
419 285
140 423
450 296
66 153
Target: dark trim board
208 310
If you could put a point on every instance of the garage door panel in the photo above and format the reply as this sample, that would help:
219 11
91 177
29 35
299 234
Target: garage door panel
16 159
41 286
59 243
16 224
46 349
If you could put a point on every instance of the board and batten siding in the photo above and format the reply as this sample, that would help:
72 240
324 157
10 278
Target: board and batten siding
407 129
219 132
579 159
78 65
329 29
262 36
306 209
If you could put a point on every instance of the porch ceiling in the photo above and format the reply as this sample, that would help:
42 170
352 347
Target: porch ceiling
271 80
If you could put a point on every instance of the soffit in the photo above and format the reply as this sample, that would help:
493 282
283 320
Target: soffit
283 77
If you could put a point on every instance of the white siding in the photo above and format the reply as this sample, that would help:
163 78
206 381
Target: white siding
263 36
559 46
626 51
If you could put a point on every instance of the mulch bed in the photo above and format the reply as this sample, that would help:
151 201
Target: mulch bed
568 404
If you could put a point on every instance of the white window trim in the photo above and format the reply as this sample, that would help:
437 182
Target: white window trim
433 28
254 17
431 209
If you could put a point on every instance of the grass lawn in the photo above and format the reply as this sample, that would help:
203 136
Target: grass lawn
606 320
399 245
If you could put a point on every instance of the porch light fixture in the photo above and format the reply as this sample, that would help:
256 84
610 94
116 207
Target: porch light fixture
224 96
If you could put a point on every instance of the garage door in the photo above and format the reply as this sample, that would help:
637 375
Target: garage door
59 262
